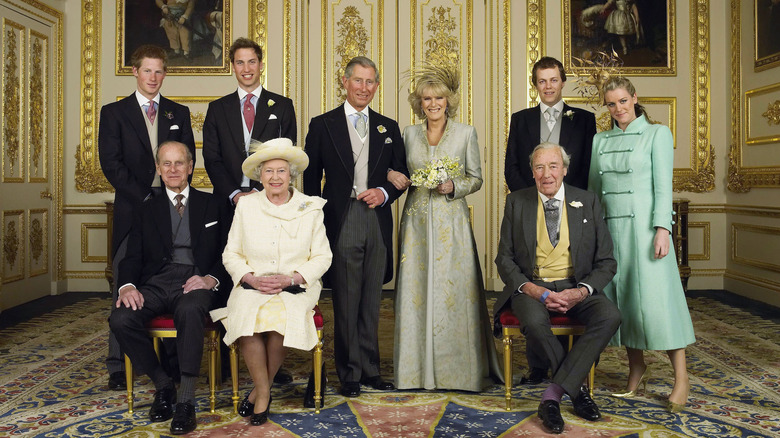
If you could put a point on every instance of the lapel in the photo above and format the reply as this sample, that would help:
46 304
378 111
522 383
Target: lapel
530 204
336 125
534 129
197 212
163 220
262 111
163 122
376 141
136 118
567 125
231 108
575 221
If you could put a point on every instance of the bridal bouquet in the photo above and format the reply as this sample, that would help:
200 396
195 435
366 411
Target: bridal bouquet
436 172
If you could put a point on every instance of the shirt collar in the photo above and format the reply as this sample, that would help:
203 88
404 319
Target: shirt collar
559 106
142 100
256 92
171 195
349 110
559 195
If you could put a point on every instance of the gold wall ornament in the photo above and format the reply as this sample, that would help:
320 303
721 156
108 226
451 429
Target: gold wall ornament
37 106
200 179
701 176
197 119
603 121
258 29
772 114
353 41
535 19
36 239
89 177
12 97
10 243
736 181
442 48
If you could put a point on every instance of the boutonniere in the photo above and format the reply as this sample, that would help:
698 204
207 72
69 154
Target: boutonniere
271 102
168 115
381 129
575 204
569 114
304 205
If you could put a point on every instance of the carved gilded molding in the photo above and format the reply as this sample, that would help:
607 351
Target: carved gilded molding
38 107
701 176
258 28
13 245
752 279
85 228
38 225
736 228
13 72
773 111
535 22
89 177
353 41
772 114
442 47
705 226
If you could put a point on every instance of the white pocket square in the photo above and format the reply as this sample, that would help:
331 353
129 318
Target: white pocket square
174 127
272 117
388 140
211 224
584 221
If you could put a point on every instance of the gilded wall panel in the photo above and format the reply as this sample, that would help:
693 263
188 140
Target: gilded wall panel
198 106
38 239
39 108
13 240
13 86
755 245
661 109
87 252
694 227
762 115
349 28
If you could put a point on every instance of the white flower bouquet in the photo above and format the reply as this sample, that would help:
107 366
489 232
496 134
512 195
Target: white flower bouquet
436 172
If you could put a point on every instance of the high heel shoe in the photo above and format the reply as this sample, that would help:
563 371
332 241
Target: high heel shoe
246 408
675 408
262 417
642 382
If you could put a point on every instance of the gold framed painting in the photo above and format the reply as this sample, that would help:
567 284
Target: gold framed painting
641 33
766 38
193 33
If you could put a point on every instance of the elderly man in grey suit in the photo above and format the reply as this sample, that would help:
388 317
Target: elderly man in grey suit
555 256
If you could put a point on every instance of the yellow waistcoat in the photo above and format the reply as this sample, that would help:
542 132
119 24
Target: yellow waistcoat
552 264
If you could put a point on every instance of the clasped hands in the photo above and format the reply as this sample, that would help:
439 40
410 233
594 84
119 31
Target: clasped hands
134 299
401 182
560 302
271 284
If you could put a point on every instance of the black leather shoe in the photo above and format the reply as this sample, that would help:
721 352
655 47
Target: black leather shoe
550 414
350 389
162 406
535 377
262 417
282 377
584 406
308 397
184 420
377 383
246 408
117 381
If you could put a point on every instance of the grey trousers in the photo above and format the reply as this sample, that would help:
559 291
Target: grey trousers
358 273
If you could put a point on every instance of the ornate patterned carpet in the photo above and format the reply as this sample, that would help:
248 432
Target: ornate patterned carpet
52 384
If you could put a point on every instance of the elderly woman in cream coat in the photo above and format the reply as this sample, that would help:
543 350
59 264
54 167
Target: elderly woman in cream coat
276 253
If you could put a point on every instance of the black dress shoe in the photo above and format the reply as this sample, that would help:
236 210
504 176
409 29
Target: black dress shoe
184 420
584 406
262 417
282 377
377 383
162 406
350 389
117 381
535 377
550 413
246 408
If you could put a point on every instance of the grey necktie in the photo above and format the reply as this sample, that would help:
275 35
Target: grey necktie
552 116
551 214
360 124
179 204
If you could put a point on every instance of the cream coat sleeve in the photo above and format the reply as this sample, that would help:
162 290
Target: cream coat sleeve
320 256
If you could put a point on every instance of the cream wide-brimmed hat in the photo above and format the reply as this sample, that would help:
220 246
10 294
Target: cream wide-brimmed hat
278 148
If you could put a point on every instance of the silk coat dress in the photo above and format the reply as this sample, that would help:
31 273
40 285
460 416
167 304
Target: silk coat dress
631 172
442 329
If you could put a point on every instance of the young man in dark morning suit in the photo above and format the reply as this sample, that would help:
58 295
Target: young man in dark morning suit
128 135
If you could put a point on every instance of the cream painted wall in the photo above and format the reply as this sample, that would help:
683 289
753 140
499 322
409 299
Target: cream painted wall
500 87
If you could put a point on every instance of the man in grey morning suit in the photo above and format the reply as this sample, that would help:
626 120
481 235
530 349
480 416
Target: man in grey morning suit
355 147
555 255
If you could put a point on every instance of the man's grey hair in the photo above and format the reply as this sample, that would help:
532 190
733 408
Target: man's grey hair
294 172
547 145
363 62
171 143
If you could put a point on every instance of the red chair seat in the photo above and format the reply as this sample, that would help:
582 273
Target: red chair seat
165 322
319 322
508 319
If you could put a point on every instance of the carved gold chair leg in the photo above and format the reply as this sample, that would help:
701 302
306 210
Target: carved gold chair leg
129 381
317 362
234 374
508 368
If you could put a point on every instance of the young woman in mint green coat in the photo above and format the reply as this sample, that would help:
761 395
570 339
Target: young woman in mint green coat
631 171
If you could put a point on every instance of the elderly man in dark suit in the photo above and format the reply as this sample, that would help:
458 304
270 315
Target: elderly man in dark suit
173 265
129 133
555 255
251 112
355 147
551 121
